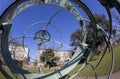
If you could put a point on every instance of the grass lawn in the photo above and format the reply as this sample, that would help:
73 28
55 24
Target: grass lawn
44 70
102 69
104 66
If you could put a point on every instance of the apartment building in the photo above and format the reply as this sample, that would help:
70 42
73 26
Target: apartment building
19 53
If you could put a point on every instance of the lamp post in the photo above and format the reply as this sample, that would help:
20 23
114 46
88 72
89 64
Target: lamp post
39 61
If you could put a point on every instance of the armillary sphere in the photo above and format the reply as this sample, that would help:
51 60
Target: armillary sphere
83 49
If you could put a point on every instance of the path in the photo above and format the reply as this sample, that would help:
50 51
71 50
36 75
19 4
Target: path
115 75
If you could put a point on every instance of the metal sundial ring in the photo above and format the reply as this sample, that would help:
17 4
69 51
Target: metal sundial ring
21 5
41 36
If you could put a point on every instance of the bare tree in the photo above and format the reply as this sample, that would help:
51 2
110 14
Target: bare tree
116 21
116 17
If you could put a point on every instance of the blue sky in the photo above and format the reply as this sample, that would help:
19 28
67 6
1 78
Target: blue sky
64 21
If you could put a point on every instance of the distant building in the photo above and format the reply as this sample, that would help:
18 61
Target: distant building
64 55
19 53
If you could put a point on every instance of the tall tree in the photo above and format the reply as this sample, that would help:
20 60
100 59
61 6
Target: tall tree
116 17
116 21
48 54
49 57
75 37
102 21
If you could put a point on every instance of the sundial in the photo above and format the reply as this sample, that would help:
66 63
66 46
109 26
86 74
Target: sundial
42 36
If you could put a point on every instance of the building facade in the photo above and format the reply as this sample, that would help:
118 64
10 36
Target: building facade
19 53
64 55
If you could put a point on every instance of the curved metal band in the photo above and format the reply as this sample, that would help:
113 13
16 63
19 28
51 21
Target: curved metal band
79 51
